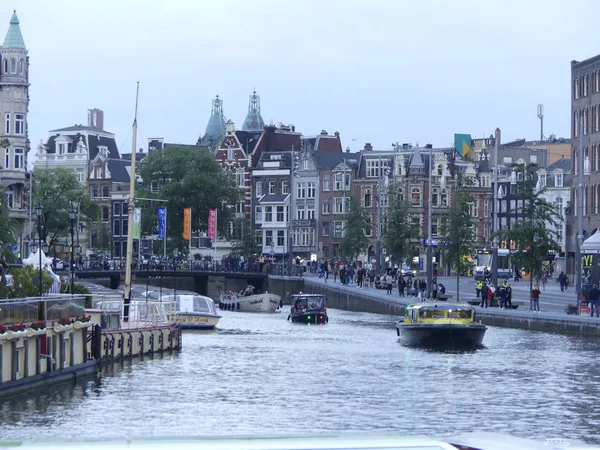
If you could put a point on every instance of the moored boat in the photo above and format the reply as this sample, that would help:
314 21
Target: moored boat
308 308
246 301
194 311
430 325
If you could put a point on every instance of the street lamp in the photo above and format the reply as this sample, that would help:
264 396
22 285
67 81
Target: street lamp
383 181
40 246
72 216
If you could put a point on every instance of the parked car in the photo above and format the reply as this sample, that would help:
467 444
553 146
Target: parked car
406 270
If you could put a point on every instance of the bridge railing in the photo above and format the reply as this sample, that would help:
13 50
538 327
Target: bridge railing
267 268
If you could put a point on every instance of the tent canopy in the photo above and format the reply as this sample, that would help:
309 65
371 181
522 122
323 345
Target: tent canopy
34 259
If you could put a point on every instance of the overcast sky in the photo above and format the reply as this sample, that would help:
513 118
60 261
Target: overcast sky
377 71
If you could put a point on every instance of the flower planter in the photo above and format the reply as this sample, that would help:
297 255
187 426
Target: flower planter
11 335
62 328
36 332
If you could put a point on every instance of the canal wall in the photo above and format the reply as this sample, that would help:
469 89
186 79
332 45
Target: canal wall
350 298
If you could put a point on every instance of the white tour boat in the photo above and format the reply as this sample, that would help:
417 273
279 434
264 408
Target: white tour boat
249 302
194 311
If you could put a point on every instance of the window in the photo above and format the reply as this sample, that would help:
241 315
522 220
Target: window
301 190
415 196
13 65
280 216
576 123
105 214
300 213
271 187
5 65
533 159
117 209
374 167
310 213
116 227
94 188
369 227
325 229
98 170
230 154
7 158
7 123
542 180
259 189
367 197
240 177
269 238
585 85
435 196
124 224
444 198
19 123
19 158
80 175
338 205
325 208
305 164
268 214
576 88
401 194
486 208
342 182
310 190
285 187
239 206
10 197
558 180
280 238
326 183
105 191
21 66
507 160
435 226
258 237
258 214
585 121
474 208
338 229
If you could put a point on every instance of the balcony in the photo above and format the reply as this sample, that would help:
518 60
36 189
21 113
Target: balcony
306 223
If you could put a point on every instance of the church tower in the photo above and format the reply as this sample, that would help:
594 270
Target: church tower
253 121
14 104
215 129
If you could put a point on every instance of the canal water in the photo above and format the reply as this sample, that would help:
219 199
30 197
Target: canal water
258 374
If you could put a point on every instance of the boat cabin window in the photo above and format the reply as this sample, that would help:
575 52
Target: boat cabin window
432 313
310 303
461 314
201 305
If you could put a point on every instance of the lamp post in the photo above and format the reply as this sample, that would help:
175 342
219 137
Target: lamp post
383 180
40 246
72 216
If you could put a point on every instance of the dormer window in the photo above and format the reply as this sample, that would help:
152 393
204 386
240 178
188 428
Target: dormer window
558 180
542 180
62 149
103 151
98 172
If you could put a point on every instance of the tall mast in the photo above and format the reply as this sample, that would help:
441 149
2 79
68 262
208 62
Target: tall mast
130 209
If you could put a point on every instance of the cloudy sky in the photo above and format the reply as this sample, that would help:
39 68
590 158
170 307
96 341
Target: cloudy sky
378 71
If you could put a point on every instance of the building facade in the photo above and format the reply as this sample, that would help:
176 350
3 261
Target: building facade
14 106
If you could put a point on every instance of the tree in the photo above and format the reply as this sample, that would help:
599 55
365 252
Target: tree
56 189
355 240
187 177
458 234
535 235
243 239
25 282
400 231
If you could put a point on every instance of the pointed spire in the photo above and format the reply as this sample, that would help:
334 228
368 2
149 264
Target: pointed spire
417 159
253 121
14 38
215 129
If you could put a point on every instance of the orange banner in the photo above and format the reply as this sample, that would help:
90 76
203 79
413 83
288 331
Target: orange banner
187 223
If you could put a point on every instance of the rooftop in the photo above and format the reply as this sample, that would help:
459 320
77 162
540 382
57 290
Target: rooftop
14 38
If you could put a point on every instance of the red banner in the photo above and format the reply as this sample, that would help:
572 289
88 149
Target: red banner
187 223
212 224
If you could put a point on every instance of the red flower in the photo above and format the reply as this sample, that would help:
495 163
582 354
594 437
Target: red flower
65 321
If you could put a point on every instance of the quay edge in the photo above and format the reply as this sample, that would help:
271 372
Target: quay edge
369 300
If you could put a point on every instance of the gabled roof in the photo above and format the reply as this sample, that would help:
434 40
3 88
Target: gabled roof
561 164
416 160
14 38
93 141
273 198
328 160
324 142
119 170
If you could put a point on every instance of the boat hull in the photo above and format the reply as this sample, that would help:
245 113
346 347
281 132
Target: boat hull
442 336
198 321
252 303
317 318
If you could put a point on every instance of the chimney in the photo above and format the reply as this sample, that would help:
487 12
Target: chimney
337 134
323 133
293 127
406 146
498 136
96 118
368 147
429 146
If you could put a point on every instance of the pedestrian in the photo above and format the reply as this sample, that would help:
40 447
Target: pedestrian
360 275
508 295
389 282
561 281
593 298
535 295
401 286
501 294
566 283
484 295
478 287
544 281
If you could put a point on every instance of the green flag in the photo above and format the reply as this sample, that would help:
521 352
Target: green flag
137 222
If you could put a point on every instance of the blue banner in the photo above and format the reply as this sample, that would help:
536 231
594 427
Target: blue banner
162 222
